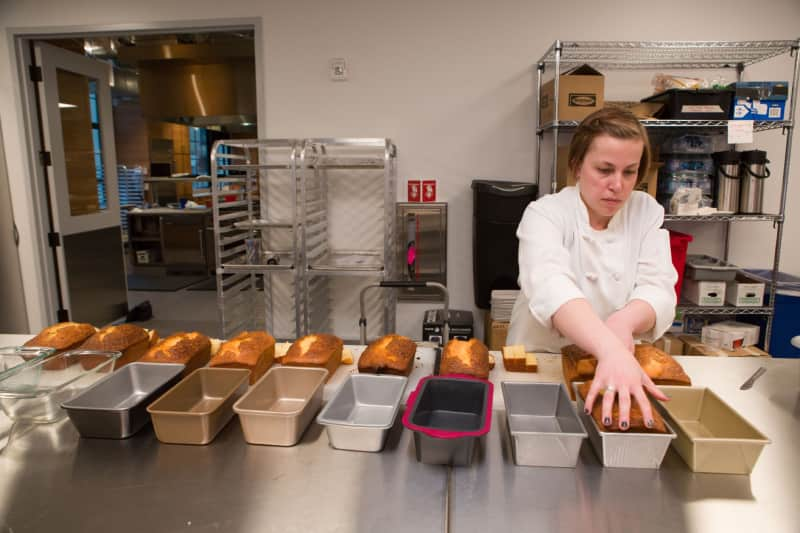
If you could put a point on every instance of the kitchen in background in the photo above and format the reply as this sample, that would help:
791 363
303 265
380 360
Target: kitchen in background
173 96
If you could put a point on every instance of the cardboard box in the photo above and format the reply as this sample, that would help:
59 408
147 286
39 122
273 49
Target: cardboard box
721 337
759 100
695 347
750 332
744 292
495 333
704 293
672 344
580 93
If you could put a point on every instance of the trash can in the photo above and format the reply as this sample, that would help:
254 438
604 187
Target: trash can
785 323
497 211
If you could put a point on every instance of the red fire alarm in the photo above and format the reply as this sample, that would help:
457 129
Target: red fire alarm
429 190
414 190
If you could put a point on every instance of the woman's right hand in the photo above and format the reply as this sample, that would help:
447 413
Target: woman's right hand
618 374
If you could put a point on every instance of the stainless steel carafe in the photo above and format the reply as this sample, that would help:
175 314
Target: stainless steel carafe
754 171
728 165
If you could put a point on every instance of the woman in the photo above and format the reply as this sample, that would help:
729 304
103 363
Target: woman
595 265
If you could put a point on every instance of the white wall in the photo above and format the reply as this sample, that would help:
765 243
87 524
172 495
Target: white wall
451 81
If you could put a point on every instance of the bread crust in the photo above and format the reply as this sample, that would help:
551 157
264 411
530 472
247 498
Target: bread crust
190 349
251 350
465 357
316 350
390 354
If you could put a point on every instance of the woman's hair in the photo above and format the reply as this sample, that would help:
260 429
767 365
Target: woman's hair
615 122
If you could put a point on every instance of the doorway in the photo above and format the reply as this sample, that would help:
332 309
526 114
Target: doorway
172 95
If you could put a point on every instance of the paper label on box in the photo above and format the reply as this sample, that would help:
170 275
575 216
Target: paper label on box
701 109
740 131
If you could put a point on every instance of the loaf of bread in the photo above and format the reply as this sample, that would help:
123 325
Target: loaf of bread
316 350
515 359
129 339
465 357
636 419
252 350
391 354
63 336
662 368
190 349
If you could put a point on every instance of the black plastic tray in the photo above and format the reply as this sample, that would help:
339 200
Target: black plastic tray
674 101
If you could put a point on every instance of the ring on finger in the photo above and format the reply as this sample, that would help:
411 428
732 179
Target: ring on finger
610 388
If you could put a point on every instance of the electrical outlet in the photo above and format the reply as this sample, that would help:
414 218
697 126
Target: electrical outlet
338 69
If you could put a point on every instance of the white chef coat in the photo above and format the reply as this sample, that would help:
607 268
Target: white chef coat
561 258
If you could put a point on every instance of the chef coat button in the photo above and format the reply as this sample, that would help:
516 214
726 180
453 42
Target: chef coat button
591 276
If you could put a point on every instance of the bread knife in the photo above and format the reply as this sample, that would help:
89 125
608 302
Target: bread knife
752 379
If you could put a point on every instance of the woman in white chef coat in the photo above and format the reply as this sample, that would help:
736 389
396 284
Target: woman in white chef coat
594 263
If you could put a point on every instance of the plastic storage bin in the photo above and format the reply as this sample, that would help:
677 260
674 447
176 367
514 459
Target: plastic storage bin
679 246
694 104
785 324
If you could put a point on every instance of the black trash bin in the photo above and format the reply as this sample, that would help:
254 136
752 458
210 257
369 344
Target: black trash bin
497 211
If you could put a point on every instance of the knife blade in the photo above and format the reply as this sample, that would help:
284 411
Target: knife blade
752 379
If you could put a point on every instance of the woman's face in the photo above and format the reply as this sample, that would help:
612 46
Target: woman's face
607 176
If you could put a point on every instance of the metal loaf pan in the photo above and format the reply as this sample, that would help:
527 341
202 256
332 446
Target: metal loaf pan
362 411
116 407
15 358
35 393
712 436
280 405
625 449
196 409
545 429
449 417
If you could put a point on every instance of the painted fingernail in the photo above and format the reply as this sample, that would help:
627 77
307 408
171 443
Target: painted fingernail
586 410
606 421
651 423
624 425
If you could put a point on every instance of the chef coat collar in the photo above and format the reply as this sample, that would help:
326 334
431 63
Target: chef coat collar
583 213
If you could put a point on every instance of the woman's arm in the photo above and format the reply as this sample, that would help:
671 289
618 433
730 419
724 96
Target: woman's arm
637 317
616 365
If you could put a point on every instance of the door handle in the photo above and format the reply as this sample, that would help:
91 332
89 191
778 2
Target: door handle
201 236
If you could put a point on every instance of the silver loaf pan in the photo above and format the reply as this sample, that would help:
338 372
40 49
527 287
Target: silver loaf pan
625 449
116 407
545 429
362 411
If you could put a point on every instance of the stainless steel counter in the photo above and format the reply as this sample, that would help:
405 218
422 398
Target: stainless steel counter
52 480
171 211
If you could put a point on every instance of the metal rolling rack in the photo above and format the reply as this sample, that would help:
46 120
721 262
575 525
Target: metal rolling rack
322 214
256 191
348 235
649 55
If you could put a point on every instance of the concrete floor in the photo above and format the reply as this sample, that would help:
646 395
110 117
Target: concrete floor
181 310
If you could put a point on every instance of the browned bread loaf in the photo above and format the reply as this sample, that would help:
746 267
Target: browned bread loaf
252 350
63 336
190 349
662 368
318 350
465 357
636 418
391 354
129 339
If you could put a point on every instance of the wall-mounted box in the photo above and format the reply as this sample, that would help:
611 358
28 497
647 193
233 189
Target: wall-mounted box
421 248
